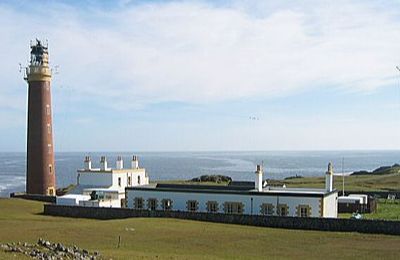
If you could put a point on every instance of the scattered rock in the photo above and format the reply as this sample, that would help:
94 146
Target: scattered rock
45 250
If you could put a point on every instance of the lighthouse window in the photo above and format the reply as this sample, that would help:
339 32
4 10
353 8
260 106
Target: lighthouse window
48 110
138 180
267 209
303 211
48 129
129 181
49 149
50 168
283 210
166 204
233 207
119 181
192 205
152 204
138 203
212 206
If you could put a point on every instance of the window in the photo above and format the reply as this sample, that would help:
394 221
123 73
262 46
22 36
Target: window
49 148
283 210
119 181
152 204
48 110
304 211
267 209
50 169
138 179
138 203
212 206
233 207
48 129
192 205
166 204
129 181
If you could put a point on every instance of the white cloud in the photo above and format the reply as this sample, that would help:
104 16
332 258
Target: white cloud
198 53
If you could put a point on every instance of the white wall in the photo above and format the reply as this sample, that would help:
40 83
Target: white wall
95 179
331 206
101 203
252 202
110 181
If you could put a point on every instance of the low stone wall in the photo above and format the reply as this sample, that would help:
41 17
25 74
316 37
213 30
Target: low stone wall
322 224
44 198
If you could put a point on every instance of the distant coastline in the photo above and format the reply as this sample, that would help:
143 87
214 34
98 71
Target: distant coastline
187 165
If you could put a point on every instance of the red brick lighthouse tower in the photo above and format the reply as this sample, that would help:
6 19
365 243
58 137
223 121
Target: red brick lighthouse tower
40 171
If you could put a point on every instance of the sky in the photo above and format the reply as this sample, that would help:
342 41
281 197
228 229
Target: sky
207 75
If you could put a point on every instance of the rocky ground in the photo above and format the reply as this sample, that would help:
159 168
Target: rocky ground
45 250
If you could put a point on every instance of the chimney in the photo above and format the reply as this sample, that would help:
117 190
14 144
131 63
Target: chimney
88 163
120 163
103 163
135 162
329 178
259 178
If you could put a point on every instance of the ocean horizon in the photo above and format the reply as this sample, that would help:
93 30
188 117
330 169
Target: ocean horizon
240 165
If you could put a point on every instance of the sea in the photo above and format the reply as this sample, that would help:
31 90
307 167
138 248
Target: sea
187 165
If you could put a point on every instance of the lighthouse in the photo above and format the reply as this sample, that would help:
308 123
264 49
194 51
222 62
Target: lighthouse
40 170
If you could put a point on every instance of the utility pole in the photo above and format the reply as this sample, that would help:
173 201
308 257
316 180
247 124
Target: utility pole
343 176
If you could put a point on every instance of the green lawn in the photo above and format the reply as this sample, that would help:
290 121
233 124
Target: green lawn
21 220
387 210
385 182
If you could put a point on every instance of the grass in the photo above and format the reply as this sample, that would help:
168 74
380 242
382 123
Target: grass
387 182
21 220
371 182
387 210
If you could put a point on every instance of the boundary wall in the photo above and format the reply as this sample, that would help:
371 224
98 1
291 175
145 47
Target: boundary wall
321 224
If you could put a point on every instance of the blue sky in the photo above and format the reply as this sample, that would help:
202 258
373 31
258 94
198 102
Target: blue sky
189 75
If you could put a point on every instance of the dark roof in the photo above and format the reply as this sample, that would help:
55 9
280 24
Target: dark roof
203 187
248 184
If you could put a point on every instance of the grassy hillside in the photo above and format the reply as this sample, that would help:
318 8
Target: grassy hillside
385 182
21 220
381 179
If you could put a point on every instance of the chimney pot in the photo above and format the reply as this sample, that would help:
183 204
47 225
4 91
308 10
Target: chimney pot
135 162
259 178
103 163
120 163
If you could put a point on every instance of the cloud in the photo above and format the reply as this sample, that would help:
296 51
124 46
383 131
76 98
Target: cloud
197 52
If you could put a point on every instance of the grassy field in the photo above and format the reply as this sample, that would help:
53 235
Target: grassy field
21 220
385 182
387 210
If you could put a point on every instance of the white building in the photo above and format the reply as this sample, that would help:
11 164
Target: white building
234 199
104 186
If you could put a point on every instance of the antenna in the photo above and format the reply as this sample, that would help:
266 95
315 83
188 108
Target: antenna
343 176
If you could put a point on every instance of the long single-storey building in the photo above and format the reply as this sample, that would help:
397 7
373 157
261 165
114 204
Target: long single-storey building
234 199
